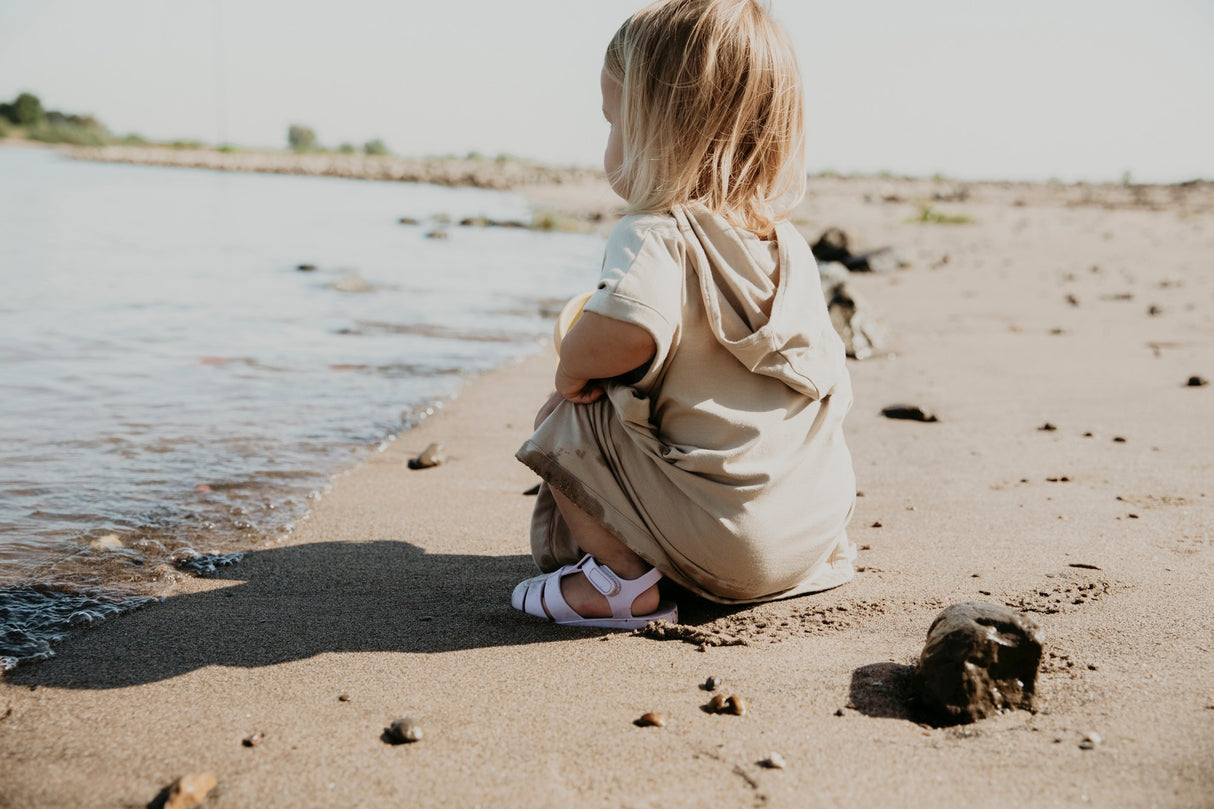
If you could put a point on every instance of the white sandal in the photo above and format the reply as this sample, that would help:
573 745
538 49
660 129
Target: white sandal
532 595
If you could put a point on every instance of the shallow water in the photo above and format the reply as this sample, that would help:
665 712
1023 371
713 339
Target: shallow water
171 384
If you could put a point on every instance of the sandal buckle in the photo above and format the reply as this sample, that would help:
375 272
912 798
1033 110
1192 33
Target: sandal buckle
603 579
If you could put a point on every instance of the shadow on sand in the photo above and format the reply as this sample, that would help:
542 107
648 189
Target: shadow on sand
298 601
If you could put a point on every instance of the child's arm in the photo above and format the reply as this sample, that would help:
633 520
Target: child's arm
599 347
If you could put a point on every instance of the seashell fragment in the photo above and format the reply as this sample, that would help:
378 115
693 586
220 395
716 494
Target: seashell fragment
774 761
432 455
190 790
403 731
651 720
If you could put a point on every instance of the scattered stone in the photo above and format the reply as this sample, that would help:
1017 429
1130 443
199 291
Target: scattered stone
306 267
735 705
533 491
979 659
832 245
1118 439
908 413
877 524
712 683
1197 382
408 220
1059 479
1153 310
651 720
437 233
841 712
403 731
1047 428
189 791
352 283
343 697
774 761
432 455
1090 741
1072 300
717 703
253 740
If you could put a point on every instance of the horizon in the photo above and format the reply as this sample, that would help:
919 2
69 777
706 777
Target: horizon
1111 91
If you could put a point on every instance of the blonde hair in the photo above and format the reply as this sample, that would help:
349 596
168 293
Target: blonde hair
712 110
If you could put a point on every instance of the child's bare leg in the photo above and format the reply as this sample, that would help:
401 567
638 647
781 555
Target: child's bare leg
600 543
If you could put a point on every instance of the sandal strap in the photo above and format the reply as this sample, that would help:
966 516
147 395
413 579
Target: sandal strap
620 593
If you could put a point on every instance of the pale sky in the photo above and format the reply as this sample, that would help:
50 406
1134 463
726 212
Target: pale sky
1034 89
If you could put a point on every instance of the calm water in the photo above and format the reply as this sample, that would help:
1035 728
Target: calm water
171 384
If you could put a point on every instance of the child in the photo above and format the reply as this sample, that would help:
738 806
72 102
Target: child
696 429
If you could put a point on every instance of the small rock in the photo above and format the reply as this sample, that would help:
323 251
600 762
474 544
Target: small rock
408 220
343 697
403 731
1118 439
438 233
774 761
352 283
253 740
735 705
717 703
432 455
189 791
841 712
908 413
651 720
1047 428
712 683
979 659
1197 382
877 524
1090 741
306 267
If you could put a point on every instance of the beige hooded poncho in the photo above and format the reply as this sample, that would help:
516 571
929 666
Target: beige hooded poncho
724 465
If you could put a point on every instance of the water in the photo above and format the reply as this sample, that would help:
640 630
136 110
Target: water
171 385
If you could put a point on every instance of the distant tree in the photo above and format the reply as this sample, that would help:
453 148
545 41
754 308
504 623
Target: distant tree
376 147
27 110
346 148
301 138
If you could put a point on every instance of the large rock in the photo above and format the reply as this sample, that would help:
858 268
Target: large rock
852 318
980 659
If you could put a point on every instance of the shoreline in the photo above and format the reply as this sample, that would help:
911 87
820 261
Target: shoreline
394 591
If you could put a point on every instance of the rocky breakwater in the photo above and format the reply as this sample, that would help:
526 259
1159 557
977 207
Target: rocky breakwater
499 174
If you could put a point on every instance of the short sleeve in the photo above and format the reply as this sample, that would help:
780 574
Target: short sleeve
642 279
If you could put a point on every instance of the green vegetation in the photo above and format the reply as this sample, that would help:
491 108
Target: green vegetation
375 148
929 215
26 117
302 139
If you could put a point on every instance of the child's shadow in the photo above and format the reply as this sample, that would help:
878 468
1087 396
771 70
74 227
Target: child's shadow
298 601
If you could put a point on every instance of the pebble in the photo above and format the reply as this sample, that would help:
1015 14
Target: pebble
774 761
908 413
432 455
1197 382
353 283
841 712
1090 741
343 697
191 790
651 720
403 731
717 703
306 267
254 740
712 683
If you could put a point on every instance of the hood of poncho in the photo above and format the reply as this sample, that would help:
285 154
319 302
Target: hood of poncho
757 311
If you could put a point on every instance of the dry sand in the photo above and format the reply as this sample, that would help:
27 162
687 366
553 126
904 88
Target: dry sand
395 590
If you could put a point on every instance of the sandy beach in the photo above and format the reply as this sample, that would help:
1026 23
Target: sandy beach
1070 475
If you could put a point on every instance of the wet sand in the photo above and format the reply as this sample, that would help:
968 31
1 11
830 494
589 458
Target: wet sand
1085 314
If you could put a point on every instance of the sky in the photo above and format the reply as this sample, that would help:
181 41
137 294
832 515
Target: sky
1035 89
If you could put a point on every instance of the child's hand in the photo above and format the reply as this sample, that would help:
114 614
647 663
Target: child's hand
578 391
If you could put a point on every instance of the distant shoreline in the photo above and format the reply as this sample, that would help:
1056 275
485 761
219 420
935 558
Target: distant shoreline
498 174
